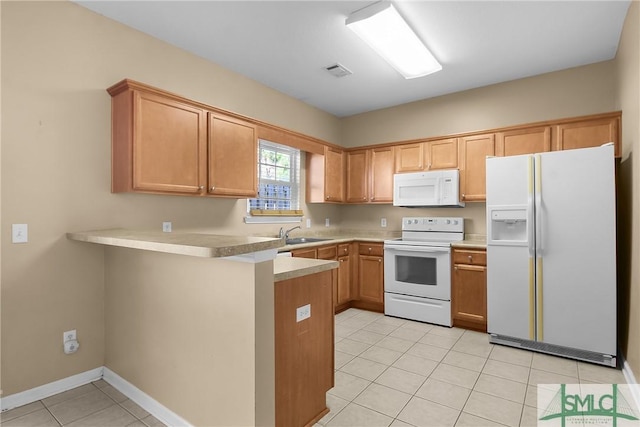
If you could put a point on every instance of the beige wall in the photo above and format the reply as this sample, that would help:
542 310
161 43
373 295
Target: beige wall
57 60
628 100
574 92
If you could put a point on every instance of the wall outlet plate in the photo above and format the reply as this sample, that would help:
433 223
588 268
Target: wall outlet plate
303 312
166 226
308 222
383 222
327 222
69 336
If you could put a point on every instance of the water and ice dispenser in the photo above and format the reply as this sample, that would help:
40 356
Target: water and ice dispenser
508 225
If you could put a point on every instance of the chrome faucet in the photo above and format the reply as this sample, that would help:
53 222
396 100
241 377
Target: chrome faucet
286 234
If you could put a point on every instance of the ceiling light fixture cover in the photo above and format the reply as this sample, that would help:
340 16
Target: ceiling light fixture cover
381 27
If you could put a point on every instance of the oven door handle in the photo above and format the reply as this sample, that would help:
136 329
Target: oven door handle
417 249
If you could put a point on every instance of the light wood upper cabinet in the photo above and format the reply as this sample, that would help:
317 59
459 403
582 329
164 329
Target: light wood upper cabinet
233 152
159 145
370 175
429 155
325 176
381 175
523 141
164 144
473 151
588 133
442 154
409 157
357 176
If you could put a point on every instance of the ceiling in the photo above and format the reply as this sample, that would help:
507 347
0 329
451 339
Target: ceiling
286 45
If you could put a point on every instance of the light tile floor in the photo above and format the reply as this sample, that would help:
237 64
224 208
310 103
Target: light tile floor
96 404
389 372
398 372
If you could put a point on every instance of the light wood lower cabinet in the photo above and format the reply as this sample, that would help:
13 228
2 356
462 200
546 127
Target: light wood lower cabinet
370 277
469 289
359 279
304 351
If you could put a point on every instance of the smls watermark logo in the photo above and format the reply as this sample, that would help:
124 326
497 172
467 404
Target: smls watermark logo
586 405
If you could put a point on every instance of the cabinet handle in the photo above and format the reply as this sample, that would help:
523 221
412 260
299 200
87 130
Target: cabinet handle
379 260
341 260
326 198
201 187
470 258
455 267
373 198
369 250
212 188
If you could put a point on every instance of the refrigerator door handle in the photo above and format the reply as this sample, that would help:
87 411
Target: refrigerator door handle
530 211
539 250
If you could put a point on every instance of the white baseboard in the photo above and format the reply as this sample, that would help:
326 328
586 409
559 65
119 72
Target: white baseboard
145 401
44 391
631 380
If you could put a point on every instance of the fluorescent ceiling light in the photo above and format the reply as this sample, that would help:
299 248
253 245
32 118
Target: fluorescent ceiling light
382 27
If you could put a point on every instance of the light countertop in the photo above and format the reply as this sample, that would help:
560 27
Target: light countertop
192 244
472 241
285 268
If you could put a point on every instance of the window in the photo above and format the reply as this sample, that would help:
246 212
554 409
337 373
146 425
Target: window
278 181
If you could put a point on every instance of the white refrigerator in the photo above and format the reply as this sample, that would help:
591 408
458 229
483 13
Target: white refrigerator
551 253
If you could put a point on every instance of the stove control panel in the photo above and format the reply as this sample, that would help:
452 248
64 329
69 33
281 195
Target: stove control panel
449 224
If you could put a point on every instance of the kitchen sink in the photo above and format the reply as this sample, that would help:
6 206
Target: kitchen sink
300 240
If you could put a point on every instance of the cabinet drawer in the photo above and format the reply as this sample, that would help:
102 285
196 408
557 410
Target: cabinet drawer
472 257
343 249
305 253
375 249
327 252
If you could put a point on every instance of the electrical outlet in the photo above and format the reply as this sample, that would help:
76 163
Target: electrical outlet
308 223
166 226
303 312
327 223
19 233
383 222
69 336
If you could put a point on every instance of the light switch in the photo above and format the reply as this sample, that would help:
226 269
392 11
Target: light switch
19 233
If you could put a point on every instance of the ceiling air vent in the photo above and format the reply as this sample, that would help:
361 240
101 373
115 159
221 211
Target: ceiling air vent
338 70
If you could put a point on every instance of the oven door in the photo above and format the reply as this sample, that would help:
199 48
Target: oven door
421 271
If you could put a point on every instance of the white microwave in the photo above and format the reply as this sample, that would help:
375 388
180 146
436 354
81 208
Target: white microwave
427 189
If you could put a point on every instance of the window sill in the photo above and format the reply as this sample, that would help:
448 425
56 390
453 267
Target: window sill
272 219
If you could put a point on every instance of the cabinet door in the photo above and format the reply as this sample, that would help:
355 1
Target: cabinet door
442 154
469 296
588 133
344 280
381 175
409 157
233 157
169 146
473 153
370 278
334 175
523 141
357 182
